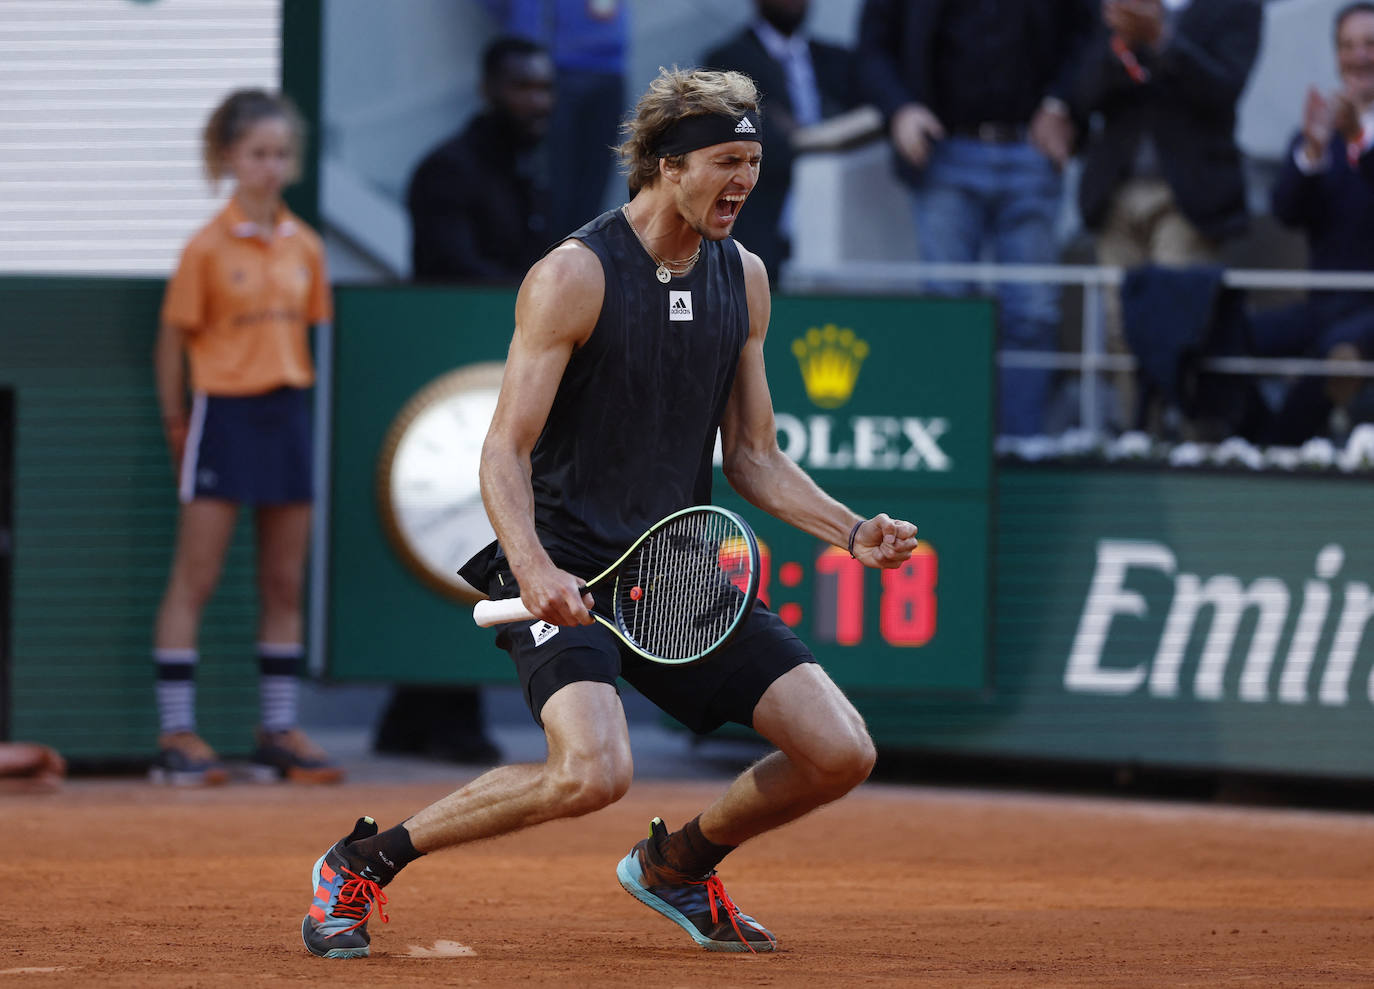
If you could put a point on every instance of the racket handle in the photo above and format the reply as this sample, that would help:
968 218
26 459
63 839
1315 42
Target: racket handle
488 613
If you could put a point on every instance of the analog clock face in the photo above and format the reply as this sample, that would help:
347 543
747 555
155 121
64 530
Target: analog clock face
427 479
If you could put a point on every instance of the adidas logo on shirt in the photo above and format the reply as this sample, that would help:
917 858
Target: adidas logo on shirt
744 126
679 306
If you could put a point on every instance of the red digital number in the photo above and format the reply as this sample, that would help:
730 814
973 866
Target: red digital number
908 609
839 598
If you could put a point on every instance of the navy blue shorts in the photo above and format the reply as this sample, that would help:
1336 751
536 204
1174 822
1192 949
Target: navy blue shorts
724 687
252 449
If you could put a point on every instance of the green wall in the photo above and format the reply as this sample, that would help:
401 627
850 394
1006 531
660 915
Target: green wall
1167 618
383 622
1124 553
95 513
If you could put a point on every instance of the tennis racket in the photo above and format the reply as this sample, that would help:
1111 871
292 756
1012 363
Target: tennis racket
680 592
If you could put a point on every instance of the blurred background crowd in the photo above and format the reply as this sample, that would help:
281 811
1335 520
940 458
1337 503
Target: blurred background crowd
1166 138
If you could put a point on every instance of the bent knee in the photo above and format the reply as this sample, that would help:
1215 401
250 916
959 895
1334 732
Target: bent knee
839 767
584 789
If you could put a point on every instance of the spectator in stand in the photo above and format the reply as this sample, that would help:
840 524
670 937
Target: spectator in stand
1321 192
479 202
588 40
479 209
975 95
802 82
1162 180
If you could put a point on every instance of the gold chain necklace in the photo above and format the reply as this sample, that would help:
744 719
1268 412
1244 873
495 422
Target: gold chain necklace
666 269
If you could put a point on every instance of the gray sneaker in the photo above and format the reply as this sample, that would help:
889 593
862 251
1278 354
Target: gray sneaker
699 905
346 895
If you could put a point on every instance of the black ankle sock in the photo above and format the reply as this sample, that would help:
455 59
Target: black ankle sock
388 852
689 851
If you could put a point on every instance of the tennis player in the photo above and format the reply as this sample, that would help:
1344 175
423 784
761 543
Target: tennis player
636 340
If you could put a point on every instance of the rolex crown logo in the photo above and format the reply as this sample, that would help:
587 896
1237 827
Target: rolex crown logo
830 359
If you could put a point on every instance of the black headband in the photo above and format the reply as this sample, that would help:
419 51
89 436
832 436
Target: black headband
705 129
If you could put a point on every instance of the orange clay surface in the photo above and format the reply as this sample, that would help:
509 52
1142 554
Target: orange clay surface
114 883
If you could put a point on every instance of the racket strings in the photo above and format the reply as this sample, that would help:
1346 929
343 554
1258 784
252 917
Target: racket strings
680 599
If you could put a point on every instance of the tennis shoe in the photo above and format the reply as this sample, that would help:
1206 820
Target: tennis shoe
290 755
184 759
697 904
347 892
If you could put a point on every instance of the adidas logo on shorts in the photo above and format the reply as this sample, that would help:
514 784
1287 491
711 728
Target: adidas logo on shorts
541 632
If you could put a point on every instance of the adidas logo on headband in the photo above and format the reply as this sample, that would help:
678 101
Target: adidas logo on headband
701 130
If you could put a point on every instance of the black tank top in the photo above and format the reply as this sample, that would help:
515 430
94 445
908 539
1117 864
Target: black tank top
632 430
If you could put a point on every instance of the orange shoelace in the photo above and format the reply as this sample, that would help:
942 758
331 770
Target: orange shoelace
715 893
359 897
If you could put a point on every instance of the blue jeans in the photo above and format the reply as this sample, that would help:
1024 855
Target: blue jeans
978 199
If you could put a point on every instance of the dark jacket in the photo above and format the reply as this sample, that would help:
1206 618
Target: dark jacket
479 207
897 52
757 226
1334 208
1188 105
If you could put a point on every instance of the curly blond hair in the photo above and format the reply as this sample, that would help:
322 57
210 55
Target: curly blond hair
676 93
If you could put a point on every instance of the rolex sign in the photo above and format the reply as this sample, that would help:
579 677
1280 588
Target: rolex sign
887 403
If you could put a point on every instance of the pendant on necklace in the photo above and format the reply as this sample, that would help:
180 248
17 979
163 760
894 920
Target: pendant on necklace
663 274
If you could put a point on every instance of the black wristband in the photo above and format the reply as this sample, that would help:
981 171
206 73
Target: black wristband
852 533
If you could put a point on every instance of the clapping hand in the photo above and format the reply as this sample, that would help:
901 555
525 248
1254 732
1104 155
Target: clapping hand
1345 116
1316 125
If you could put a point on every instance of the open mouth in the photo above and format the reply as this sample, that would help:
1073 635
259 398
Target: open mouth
727 208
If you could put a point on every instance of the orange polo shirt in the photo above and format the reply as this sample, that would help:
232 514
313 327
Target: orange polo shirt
245 304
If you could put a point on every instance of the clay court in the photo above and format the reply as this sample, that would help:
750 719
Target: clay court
116 883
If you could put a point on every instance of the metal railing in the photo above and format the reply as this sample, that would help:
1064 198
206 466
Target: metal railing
891 277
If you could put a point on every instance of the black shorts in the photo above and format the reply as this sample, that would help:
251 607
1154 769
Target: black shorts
725 686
